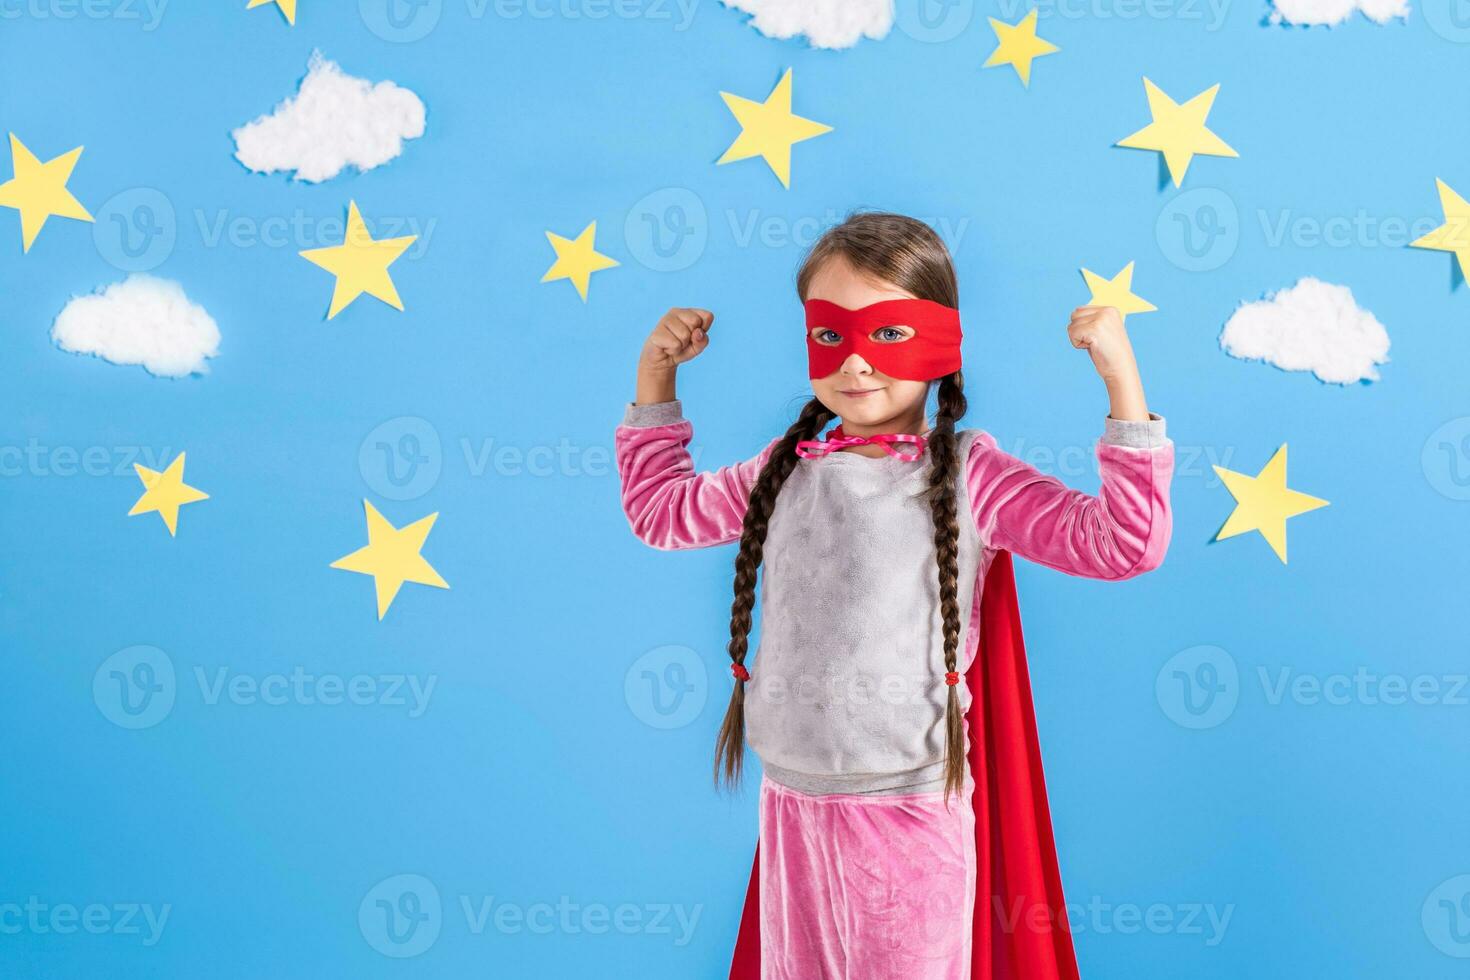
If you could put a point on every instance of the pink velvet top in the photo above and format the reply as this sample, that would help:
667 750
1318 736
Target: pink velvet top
1120 532
847 693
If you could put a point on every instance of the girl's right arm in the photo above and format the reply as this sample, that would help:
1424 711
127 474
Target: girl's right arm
668 504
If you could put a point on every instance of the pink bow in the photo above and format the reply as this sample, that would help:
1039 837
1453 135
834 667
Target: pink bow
814 448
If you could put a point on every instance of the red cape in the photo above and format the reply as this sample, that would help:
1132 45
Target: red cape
1020 918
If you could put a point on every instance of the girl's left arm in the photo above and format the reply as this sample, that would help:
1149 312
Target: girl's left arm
1121 532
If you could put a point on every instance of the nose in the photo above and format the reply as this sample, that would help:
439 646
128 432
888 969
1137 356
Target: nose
856 365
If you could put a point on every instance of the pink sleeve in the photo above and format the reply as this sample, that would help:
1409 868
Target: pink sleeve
1121 532
668 504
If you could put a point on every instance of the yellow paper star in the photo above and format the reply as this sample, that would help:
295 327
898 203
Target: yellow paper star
577 259
165 493
288 7
1019 46
768 129
1264 503
1454 234
1116 292
360 264
38 190
1178 131
392 556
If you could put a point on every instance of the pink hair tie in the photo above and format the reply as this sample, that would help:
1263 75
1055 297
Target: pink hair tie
816 448
741 674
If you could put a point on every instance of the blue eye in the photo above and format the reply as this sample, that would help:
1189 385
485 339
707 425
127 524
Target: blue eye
895 334
835 336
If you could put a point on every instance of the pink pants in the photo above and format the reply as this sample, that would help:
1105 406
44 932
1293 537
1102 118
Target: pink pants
865 887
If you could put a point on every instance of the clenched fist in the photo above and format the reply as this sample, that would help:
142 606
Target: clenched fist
1099 331
681 335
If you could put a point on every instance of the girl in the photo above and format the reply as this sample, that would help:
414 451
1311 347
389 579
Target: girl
903 821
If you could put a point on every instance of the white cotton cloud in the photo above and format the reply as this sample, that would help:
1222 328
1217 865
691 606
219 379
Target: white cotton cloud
1312 326
141 320
335 121
1334 12
826 23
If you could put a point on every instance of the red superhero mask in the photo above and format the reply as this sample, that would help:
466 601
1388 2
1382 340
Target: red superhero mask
932 352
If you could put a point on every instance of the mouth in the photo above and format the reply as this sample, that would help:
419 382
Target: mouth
857 392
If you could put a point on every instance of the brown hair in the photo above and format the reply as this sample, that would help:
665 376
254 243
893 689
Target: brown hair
906 253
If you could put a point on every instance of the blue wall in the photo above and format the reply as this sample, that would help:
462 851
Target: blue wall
543 768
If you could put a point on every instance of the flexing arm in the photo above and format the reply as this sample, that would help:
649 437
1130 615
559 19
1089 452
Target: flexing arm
1121 532
668 504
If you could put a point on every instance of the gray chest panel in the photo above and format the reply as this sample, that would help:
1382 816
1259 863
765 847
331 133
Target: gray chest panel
847 691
